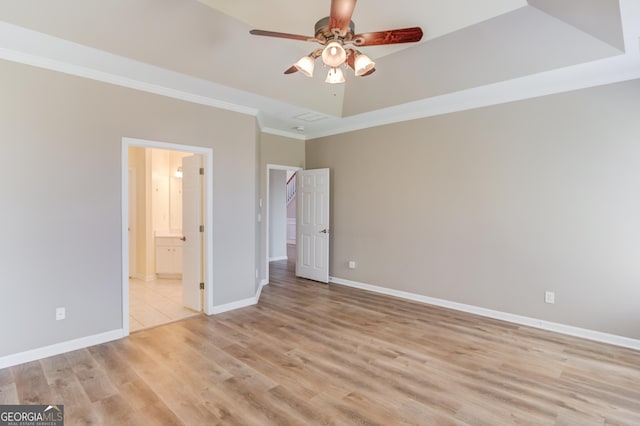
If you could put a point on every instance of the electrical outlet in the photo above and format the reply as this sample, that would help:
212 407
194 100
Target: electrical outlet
352 264
61 313
549 297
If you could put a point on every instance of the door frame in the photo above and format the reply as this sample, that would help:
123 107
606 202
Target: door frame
266 211
207 254
131 222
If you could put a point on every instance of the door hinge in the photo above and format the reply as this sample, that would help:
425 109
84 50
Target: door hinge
201 228
201 286
202 170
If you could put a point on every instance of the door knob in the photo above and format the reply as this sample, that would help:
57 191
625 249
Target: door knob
324 231
183 238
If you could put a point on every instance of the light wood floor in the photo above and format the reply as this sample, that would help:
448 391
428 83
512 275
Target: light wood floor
310 353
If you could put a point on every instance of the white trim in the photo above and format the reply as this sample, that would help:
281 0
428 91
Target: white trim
132 226
169 276
260 286
60 348
235 305
240 303
208 234
41 50
597 336
207 153
145 278
290 135
275 259
21 45
124 201
582 76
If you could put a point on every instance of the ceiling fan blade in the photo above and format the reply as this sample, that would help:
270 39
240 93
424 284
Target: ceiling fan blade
291 69
282 35
340 17
403 35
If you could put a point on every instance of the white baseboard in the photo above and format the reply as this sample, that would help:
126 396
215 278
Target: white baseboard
60 348
167 277
504 316
260 286
234 305
275 259
84 342
241 303
145 278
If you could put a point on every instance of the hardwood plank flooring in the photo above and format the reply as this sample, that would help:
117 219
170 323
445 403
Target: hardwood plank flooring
311 353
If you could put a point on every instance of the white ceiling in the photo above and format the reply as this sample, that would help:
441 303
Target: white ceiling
473 53
436 17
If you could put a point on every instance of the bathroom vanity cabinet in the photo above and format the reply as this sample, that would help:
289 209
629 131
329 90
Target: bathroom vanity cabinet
168 256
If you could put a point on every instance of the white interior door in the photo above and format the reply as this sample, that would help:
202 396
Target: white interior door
312 260
191 221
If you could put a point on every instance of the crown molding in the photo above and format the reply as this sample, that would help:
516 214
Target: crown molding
29 47
283 133
43 51
606 71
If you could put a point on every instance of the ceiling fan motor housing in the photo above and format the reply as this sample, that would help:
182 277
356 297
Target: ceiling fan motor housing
336 31
326 34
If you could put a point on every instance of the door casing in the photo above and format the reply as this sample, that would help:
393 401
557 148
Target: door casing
207 154
266 212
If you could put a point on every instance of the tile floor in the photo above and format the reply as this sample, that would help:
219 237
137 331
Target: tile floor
152 303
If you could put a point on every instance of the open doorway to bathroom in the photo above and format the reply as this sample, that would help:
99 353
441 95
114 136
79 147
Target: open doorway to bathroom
157 241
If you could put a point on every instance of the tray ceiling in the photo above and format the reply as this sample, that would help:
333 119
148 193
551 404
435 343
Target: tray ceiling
468 45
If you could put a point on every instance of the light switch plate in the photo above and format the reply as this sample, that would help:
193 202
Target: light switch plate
549 297
61 313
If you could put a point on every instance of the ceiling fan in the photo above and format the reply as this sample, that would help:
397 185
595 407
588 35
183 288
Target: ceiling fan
334 33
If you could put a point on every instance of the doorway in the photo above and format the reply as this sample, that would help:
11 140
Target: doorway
281 214
167 278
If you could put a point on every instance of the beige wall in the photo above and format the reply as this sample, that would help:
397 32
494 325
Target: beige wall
491 207
280 151
60 180
175 191
277 214
144 267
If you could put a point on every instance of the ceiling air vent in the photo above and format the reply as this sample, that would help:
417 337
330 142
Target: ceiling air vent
310 117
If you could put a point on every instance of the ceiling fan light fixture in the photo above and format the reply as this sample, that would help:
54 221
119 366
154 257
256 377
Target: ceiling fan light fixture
363 64
305 65
335 76
334 54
